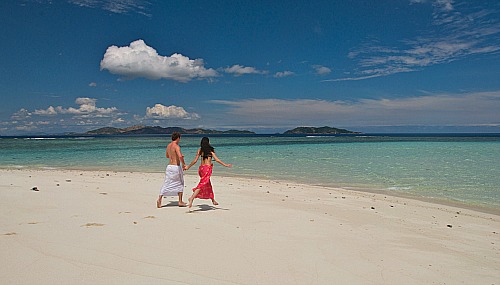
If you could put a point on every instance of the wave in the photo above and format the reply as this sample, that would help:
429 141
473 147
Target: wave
40 138
317 136
399 188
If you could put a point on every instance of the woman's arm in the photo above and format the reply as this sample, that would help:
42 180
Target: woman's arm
220 161
194 160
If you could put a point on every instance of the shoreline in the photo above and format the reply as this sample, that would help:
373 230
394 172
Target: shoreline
433 200
103 227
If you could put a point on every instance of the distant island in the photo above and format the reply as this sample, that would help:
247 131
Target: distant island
148 130
318 131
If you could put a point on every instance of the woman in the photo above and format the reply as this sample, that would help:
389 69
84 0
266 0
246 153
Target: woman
204 188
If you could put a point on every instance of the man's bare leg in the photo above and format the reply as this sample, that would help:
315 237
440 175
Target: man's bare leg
181 203
158 202
192 197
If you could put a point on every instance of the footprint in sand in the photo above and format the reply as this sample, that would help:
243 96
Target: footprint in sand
150 217
92 225
10 234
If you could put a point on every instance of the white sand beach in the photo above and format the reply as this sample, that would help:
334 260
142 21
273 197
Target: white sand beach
91 227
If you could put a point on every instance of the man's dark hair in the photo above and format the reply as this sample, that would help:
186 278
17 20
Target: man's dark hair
175 135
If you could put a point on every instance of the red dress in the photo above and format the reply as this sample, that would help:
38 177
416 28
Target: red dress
206 192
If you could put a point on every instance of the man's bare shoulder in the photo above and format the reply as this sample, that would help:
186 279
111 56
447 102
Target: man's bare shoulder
172 145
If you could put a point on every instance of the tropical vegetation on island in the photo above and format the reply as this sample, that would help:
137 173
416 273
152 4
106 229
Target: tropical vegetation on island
322 131
149 130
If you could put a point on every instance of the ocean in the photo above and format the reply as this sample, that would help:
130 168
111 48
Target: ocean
458 168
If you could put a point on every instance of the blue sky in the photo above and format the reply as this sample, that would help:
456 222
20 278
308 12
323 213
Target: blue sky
265 66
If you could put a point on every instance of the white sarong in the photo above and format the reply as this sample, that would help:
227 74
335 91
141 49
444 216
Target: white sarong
174 181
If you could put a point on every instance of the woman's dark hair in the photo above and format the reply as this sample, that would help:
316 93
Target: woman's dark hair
206 148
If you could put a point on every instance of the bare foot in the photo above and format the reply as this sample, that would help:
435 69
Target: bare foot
158 203
182 204
190 202
215 202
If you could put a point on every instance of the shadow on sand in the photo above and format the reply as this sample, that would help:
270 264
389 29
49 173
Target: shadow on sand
204 208
171 204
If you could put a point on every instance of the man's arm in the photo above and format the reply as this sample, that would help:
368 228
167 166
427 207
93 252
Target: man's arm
180 156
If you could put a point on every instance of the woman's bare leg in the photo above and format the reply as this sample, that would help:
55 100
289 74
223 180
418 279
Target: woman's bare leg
192 197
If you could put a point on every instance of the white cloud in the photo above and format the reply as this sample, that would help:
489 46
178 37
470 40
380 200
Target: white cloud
87 106
21 114
321 70
441 109
27 127
59 119
141 60
160 111
239 70
49 111
459 31
116 6
445 5
353 78
283 74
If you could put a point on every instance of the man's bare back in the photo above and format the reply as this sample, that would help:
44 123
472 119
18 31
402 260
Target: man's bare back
174 154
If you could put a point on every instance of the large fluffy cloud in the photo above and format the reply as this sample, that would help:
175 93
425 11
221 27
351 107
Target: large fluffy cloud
160 111
141 60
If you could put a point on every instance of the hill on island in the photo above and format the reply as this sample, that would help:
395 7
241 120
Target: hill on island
156 130
318 131
148 130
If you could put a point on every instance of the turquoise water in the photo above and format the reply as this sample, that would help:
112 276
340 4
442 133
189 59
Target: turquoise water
461 168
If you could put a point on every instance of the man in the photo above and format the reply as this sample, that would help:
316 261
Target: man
174 180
